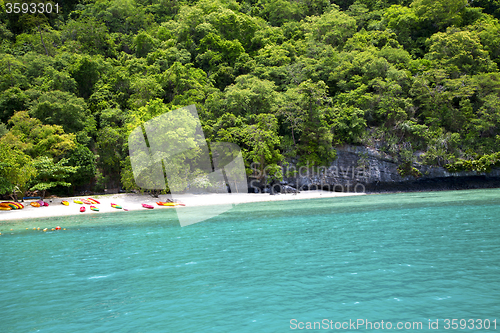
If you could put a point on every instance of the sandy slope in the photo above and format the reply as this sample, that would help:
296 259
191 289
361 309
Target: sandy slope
134 201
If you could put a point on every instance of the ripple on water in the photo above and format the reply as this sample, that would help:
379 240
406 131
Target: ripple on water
391 257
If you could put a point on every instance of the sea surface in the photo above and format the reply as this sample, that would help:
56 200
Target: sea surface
405 258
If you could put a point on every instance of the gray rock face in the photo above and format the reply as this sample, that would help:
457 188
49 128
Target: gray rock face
362 169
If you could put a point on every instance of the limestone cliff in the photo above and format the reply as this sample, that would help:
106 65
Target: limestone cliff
362 169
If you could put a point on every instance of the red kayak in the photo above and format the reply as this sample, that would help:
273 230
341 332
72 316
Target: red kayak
94 201
82 209
147 206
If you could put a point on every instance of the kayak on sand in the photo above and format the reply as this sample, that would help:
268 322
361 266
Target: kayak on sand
116 206
94 201
11 205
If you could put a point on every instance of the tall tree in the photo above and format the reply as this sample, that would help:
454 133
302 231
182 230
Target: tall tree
51 174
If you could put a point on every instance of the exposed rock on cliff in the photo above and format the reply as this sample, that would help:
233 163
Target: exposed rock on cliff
362 169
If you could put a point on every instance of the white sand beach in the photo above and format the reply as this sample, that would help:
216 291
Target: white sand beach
132 201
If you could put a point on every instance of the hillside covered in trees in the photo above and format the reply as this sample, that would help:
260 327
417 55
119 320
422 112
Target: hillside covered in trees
418 80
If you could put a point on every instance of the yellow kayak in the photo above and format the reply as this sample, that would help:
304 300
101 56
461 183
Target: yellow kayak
78 202
11 204
169 204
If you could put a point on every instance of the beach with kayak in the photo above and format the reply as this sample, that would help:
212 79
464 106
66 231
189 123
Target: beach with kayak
114 203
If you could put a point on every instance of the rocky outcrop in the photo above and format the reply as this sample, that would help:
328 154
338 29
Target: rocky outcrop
362 169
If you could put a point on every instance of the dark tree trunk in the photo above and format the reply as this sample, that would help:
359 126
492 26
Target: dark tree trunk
41 38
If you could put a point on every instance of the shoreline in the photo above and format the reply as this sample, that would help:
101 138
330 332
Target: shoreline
132 202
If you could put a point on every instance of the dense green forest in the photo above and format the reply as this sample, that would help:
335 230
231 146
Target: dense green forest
418 80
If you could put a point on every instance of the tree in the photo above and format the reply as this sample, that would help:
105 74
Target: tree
259 143
145 89
293 115
109 145
144 44
459 52
184 85
348 124
16 170
12 100
86 71
83 158
248 96
51 174
86 35
217 57
333 27
407 27
443 102
439 14
262 147
315 143
11 74
53 79
65 109
35 139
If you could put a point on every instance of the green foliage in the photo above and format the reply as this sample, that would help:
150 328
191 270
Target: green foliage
109 145
51 174
3 129
86 72
348 124
258 141
482 164
249 95
62 108
144 44
333 27
315 144
82 158
16 170
407 169
11 72
86 36
439 13
460 52
35 139
12 100
184 85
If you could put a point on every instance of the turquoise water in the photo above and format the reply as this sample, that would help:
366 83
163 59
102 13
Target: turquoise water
400 257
